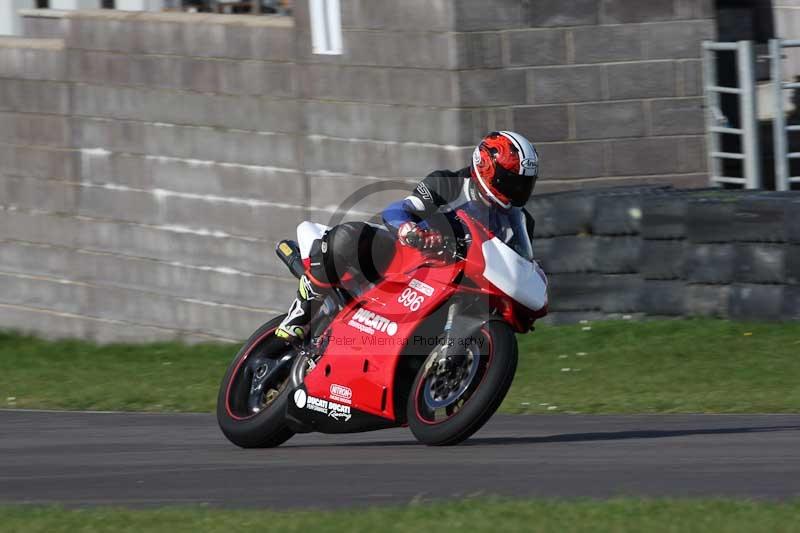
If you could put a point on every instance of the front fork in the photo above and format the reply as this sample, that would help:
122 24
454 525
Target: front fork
448 357
457 328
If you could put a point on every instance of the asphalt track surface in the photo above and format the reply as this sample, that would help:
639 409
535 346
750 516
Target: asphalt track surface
152 459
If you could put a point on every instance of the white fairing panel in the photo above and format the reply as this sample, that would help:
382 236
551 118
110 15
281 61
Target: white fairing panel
520 279
307 233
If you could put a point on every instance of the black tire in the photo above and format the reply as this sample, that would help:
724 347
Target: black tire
498 359
267 428
711 263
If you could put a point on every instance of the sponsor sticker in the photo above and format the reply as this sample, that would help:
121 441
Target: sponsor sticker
317 404
340 393
368 322
424 288
530 164
337 411
300 398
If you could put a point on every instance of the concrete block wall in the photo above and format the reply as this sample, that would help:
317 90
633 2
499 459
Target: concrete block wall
386 111
610 89
148 162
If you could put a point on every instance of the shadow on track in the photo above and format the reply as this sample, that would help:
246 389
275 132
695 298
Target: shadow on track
623 435
577 437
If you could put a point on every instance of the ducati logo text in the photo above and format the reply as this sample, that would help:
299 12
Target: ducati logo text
337 411
369 322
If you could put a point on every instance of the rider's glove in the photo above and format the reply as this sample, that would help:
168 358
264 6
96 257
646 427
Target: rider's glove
409 234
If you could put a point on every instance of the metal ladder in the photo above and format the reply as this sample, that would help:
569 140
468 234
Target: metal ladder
716 123
783 181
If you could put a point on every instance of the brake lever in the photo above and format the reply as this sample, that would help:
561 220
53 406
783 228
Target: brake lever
453 247
413 240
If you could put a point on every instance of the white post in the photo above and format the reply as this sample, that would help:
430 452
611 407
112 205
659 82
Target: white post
779 121
74 4
712 108
10 22
140 5
326 26
749 114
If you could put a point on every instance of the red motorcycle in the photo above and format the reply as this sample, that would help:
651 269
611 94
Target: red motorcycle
431 346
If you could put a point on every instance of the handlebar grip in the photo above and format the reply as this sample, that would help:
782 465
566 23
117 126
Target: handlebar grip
449 245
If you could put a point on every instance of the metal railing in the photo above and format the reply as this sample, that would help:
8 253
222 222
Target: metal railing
783 179
716 123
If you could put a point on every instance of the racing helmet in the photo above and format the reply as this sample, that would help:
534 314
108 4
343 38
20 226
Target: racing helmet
505 166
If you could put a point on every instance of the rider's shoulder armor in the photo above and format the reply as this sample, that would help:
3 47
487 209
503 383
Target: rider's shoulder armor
438 189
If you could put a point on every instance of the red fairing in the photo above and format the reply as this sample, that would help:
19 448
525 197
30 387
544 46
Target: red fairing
366 340
518 316
372 332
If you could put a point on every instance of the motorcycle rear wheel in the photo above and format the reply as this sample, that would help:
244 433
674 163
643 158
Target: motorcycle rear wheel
442 416
256 422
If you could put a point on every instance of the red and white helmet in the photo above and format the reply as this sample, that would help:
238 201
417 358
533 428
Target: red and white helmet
505 166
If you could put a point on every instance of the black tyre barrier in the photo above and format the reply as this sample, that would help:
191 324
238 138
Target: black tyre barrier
757 302
587 292
790 310
707 252
710 217
665 217
566 255
767 217
558 318
617 215
663 259
620 213
573 212
562 213
792 218
621 294
584 254
793 264
793 232
617 255
663 298
761 263
575 292
711 263
708 300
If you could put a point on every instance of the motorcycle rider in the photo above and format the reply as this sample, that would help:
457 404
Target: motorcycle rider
494 189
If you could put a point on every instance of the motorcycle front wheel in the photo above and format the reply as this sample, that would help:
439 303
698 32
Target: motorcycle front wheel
450 402
251 405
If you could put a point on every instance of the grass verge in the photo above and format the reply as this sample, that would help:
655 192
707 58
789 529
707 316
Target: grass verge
607 367
620 516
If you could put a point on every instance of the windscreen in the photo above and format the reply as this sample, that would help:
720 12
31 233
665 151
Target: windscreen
508 226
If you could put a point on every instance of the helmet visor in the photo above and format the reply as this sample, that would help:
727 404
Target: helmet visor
517 188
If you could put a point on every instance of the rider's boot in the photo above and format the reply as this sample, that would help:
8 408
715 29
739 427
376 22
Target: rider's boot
296 324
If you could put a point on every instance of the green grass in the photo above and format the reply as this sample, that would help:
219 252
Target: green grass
619 516
614 367
672 366
81 375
